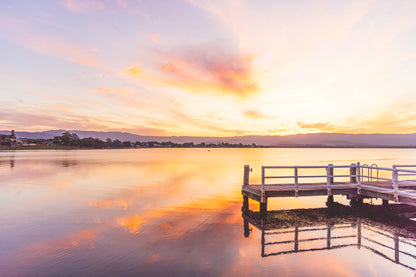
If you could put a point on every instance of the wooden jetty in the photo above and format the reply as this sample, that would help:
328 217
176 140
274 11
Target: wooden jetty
361 181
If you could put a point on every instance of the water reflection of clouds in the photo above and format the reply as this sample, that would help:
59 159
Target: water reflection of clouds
178 240
179 219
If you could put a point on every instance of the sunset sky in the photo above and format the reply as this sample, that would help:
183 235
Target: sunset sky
208 68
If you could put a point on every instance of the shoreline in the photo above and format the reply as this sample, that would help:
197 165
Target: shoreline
161 147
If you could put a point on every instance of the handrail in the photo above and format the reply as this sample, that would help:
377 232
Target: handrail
357 176
371 172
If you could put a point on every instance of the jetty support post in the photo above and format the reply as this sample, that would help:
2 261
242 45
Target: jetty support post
245 204
246 175
385 202
246 228
246 183
263 196
358 171
329 178
395 183
263 202
353 173
330 201
263 208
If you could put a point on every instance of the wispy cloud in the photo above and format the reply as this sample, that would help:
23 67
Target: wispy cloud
319 126
397 117
98 5
41 42
77 5
110 90
253 114
205 69
62 116
154 38
133 70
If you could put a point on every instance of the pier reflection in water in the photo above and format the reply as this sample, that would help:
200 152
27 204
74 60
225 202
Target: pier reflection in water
385 232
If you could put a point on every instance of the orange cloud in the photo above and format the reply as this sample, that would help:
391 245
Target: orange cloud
105 204
63 108
109 90
166 67
202 70
253 114
133 70
320 126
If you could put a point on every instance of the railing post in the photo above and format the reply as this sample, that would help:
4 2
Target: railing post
396 185
263 196
353 173
358 178
246 175
329 178
331 173
296 182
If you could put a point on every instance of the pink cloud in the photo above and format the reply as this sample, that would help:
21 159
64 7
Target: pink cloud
166 67
202 70
36 40
98 5
154 38
253 114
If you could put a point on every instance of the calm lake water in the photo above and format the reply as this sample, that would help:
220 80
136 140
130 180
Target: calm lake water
177 212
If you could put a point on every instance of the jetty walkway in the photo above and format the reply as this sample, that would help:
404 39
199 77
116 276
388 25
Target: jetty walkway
355 181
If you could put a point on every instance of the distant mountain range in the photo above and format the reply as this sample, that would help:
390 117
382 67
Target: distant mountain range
301 140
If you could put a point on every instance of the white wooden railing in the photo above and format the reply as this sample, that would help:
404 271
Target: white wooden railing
358 176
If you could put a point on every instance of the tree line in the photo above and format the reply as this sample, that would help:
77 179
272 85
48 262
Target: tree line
68 139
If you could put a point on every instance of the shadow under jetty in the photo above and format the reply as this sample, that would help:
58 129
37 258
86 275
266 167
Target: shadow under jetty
385 231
